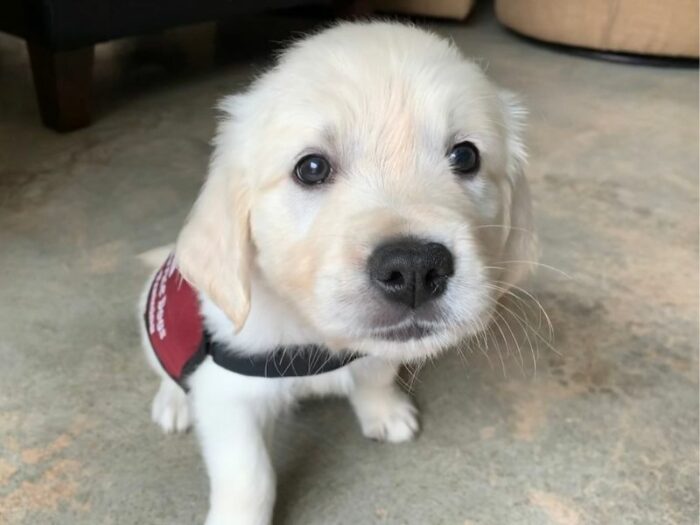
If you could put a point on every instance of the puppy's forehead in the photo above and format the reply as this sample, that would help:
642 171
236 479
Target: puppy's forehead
363 80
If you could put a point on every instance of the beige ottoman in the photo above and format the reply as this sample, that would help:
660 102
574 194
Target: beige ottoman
458 9
649 27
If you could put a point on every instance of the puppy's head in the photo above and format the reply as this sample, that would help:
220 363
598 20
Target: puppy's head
373 179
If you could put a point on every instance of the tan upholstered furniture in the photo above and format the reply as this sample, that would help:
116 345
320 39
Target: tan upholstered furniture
458 9
650 27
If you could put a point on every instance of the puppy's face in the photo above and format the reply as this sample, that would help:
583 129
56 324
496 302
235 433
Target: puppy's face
373 180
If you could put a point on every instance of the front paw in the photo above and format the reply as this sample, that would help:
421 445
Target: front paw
235 511
170 409
386 415
235 519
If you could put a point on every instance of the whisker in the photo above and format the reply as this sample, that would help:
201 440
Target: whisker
515 341
537 302
506 227
518 301
525 327
536 263
537 334
498 349
414 375
402 382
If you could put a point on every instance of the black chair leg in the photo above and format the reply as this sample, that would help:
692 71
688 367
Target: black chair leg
63 85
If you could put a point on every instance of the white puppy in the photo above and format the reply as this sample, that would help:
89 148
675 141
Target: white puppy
366 200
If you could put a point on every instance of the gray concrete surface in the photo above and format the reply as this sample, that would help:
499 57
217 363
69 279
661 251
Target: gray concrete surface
605 433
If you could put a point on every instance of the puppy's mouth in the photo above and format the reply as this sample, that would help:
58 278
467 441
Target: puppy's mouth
404 332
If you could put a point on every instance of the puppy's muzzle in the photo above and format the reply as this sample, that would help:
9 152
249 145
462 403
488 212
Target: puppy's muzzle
411 272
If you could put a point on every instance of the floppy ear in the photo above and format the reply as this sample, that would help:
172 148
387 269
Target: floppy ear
214 251
520 251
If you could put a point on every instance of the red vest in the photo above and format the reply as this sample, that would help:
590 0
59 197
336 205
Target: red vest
173 322
180 342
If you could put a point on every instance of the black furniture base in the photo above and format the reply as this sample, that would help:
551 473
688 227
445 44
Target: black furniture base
63 84
61 35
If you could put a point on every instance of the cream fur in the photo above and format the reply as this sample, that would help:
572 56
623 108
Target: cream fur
278 263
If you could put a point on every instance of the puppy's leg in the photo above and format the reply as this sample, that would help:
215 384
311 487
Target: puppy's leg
233 436
170 409
384 411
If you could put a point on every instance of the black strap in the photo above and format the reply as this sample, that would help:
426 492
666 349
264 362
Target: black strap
285 361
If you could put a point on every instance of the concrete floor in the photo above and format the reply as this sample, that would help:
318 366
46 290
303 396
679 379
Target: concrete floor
605 433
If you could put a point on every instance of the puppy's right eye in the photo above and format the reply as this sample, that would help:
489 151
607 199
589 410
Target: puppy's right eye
464 158
312 169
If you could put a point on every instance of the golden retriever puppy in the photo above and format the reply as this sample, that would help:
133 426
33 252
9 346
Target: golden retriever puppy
365 207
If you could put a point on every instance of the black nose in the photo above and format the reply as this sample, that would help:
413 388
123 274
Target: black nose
409 271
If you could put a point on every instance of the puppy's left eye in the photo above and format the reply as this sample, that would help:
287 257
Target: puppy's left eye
464 158
312 169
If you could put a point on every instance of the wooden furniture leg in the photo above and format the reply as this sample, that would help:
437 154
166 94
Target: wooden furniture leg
63 85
